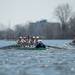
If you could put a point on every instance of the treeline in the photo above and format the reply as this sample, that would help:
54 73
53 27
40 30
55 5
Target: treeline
44 29
64 29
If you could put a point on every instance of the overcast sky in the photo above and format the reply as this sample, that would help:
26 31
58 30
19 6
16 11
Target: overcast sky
22 11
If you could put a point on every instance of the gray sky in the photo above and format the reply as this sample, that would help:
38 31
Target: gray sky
21 11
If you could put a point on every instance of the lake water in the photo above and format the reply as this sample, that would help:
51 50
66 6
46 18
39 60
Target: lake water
37 62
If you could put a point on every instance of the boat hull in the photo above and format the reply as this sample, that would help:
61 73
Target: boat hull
17 47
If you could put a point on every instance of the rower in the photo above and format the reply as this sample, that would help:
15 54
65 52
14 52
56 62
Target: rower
19 41
40 44
24 41
32 41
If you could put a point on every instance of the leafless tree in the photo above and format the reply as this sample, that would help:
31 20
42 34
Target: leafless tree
63 13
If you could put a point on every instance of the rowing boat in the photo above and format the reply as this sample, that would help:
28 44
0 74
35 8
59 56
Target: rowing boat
17 47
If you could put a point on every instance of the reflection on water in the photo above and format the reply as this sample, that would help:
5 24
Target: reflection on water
37 62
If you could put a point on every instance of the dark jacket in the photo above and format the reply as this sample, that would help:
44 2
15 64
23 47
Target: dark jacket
40 45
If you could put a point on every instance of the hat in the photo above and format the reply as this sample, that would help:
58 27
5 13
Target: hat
37 37
33 36
20 37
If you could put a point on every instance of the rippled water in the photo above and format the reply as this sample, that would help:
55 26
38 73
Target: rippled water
37 62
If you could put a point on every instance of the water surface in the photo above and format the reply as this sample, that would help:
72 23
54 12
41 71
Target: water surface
38 62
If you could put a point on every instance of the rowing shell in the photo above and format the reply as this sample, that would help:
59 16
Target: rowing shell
17 47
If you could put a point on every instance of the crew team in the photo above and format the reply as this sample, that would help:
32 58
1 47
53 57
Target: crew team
27 41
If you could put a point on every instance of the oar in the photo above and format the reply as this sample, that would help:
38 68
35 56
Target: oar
56 47
6 47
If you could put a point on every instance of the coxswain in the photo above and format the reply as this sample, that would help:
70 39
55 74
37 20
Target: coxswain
40 44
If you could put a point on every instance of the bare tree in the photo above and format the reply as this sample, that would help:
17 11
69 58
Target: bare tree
63 13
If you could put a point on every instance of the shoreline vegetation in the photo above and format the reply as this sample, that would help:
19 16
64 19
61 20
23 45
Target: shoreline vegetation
64 28
43 29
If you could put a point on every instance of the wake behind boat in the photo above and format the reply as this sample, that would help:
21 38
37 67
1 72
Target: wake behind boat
72 43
